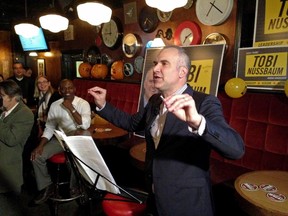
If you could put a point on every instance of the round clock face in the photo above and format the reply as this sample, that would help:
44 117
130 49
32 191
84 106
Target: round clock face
187 33
164 16
106 59
128 69
148 20
189 4
138 64
216 38
111 33
213 12
131 45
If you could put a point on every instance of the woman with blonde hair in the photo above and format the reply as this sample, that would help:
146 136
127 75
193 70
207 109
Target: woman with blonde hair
44 96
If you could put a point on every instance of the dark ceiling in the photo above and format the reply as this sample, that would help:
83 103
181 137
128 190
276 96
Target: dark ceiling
14 10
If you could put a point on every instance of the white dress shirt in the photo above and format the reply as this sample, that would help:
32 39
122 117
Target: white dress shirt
61 119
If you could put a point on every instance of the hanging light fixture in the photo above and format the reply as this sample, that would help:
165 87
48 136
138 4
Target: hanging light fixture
26 29
94 13
53 21
166 5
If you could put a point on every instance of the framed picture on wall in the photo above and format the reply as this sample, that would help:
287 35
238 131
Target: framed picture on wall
41 67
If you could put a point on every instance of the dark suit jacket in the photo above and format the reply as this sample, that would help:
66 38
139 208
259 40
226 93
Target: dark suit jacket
14 131
179 167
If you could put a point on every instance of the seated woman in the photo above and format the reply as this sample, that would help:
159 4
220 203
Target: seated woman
44 95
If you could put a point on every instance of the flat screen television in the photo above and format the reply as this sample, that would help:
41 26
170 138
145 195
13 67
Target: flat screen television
36 43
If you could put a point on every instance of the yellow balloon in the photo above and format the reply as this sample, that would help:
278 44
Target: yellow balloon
286 88
235 87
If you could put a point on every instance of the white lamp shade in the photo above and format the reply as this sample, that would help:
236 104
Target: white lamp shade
54 22
166 5
157 42
94 13
26 30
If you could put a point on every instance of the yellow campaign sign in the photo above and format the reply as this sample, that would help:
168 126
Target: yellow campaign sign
263 65
200 75
276 19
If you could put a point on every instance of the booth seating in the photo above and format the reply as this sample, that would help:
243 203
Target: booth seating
120 94
260 118
262 121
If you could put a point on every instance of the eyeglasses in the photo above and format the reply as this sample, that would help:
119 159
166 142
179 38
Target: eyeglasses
43 82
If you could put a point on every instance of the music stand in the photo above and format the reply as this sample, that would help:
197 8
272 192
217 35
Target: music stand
88 163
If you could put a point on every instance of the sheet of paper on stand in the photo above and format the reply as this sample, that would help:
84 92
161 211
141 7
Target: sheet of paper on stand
86 152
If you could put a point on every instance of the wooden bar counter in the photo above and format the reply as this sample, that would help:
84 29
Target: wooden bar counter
263 192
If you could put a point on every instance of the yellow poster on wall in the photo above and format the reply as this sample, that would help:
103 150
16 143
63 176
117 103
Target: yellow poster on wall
263 67
271 23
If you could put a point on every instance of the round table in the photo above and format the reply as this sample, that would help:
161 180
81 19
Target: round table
107 133
263 192
138 153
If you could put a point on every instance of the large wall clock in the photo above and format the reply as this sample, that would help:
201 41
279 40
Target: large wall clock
187 33
112 33
213 12
148 19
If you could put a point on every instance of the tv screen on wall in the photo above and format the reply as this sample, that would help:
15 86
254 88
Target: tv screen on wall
36 43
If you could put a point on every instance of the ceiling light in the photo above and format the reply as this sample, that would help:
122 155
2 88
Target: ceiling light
26 29
166 5
94 13
157 42
53 21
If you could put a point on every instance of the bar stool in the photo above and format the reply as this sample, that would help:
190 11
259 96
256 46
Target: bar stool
115 205
59 196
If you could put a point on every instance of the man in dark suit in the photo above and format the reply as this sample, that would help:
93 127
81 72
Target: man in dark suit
181 126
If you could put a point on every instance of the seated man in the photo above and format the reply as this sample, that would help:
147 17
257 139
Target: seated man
16 121
68 114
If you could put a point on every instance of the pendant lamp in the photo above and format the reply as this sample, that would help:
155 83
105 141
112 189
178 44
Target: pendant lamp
94 13
166 5
25 28
53 21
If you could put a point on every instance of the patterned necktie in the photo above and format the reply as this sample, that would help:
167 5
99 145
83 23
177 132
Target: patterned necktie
158 124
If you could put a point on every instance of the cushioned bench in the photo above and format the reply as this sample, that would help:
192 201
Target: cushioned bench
261 119
122 95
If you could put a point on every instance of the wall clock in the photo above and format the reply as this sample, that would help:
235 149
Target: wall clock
128 69
138 64
164 16
131 45
112 33
216 38
148 20
187 33
213 12
189 4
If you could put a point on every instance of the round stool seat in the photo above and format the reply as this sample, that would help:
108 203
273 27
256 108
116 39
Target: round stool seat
113 206
59 158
